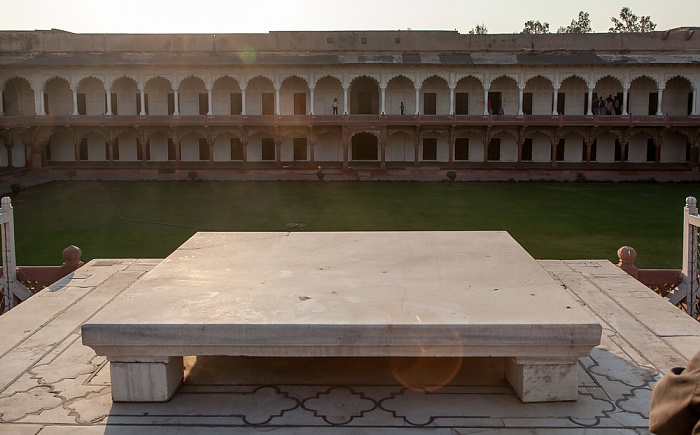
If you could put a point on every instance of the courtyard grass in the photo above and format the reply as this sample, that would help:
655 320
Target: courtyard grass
550 220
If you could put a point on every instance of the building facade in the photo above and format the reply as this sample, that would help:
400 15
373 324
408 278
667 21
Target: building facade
349 101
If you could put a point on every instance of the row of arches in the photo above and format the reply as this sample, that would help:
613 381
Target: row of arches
333 147
364 94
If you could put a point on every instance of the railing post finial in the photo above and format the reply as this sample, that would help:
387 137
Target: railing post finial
627 255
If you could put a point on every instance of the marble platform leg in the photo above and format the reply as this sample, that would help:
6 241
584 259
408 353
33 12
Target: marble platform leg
145 379
543 380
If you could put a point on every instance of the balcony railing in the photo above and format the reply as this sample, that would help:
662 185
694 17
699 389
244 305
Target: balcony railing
339 120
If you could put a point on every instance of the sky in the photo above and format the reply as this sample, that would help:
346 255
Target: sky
262 16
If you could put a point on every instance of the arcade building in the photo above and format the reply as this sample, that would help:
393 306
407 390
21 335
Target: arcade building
401 102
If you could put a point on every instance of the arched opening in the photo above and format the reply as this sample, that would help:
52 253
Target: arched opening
364 147
643 96
469 97
18 98
159 98
58 97
503 94
677 97
608 90
538 96
193 97
294 96
364 96
327 89
260 96
572 98
435 96
92 99
400 90
125 98
227 97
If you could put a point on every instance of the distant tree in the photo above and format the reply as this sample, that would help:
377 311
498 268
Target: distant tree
480 29
582 25
535 28
630 23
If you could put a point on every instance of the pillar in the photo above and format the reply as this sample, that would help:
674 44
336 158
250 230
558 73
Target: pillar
312 149
2 109
382 89
143 143
625 91
143 101
589 110
623 148
657 149
486 103
694 103
346 146
110 151
451 147
555 143
382 149
520 100
416 146
346 87
520 143
243 112
417 100
244 146
210 109
311 96
176 110
278 151
659 111
277 99
109 102
39 108
8 146
452 100
589 145
555 101
178 156
75 100
145 379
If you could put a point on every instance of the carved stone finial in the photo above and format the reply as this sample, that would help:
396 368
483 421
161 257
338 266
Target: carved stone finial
627 255
689 201
71 256
6 200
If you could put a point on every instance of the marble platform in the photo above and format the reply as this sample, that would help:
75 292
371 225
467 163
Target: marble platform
383 294
51 384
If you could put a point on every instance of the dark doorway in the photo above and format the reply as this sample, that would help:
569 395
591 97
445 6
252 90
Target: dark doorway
462 103
527 103
561 146
430 103
494 150
462 148
236 103
268 148
236 148
82 105
653 102
690 103
83 151
364 146
496 102
203 104
203 149
171 149
115 149
300 103
561 103
651 150
171 104
268 103
299 148
526 153
429 148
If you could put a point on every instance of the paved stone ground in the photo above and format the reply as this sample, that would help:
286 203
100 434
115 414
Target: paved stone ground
51 384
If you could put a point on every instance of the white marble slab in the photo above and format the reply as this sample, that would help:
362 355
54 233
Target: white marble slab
349 294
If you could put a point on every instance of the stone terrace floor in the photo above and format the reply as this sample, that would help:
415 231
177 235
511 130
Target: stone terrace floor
51 384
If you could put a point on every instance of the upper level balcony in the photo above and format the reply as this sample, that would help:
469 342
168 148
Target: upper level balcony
368 121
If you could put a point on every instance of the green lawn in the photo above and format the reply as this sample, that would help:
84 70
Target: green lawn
551 220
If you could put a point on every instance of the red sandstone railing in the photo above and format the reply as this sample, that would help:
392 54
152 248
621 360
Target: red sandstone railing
311 120
37 278
681 287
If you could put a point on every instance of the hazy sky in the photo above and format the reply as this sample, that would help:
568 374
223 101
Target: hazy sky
261 16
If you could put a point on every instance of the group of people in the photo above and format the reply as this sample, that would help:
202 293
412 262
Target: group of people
609 106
